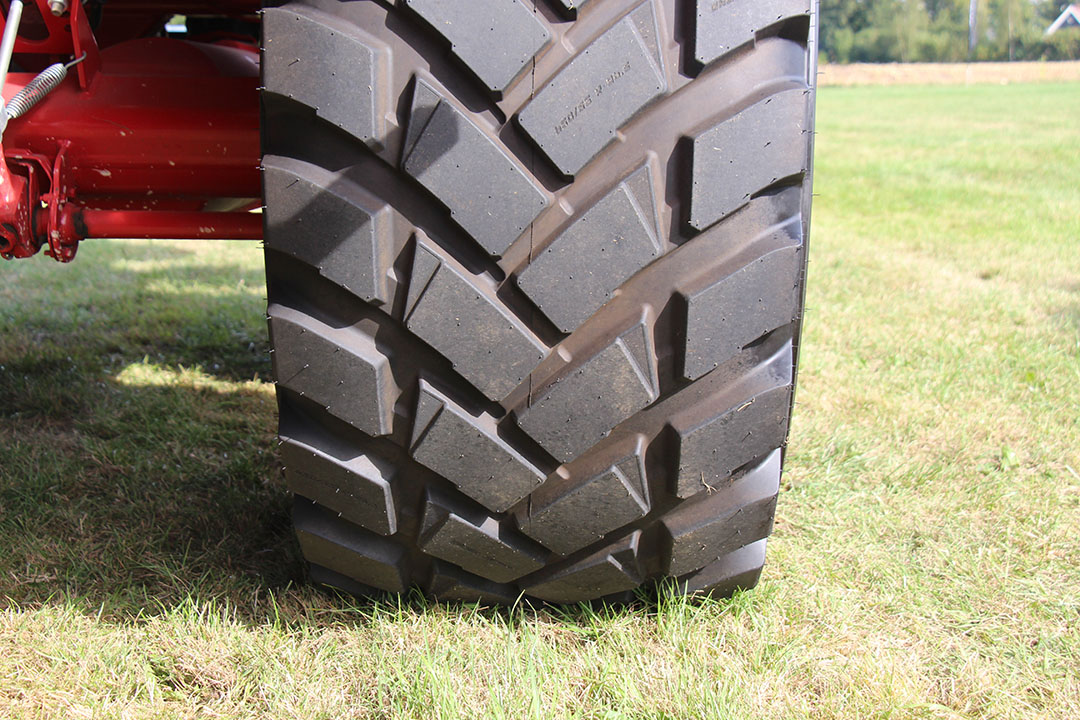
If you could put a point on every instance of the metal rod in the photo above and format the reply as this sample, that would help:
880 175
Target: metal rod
169 224
7 45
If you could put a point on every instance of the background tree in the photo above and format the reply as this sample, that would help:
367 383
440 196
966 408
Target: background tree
937 31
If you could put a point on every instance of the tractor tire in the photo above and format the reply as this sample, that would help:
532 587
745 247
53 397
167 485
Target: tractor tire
535 277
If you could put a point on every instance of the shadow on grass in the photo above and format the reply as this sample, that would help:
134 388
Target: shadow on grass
1071 315
137 422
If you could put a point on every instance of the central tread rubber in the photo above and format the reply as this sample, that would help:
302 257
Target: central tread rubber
438 287
495 39
443 146
580 111
581 269
535 275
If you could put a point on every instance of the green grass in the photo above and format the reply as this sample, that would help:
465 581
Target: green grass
926 559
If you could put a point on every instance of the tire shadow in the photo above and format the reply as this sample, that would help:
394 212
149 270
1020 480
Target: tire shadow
137 425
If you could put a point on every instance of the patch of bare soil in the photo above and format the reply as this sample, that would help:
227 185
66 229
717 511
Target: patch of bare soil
947 73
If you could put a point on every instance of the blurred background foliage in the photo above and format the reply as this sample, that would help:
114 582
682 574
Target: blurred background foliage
880 31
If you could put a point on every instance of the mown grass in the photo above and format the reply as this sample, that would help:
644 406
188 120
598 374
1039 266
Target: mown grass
926 560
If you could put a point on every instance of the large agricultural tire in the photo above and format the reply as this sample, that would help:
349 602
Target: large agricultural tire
535 285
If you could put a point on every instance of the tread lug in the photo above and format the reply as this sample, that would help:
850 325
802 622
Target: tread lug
724 317
612 570
581 408
458 314
721 521
754 149
339 368
487 192
713 445
724 25
330 224
578 272
349 550
578 113
569 514
359 488
496 39
738 570
306 48
467 450
449 583
476 542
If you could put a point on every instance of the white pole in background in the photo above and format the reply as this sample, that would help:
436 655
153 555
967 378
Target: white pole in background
973 14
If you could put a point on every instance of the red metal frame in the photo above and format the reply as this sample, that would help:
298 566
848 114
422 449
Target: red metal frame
138 142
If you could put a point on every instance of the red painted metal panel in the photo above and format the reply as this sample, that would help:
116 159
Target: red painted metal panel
190 7
188 132
137 142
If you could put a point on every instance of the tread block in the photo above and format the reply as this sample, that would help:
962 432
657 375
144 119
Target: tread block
723 25
731 313
487 192
611 570
467 450
738 570
704 530
359 488
476 542
581 408
710 451
458 314
330 224
496 39
344 548
338 368
577 114
567 519
575 275
453 584
750 151
310 56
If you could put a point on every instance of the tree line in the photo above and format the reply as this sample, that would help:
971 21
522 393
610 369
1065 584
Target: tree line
943 31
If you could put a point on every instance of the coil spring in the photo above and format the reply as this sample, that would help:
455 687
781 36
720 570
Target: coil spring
36 90
46 81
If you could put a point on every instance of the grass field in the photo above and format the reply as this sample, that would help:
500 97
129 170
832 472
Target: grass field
926 560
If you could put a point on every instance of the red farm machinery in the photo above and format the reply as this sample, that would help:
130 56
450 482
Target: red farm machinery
113 130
